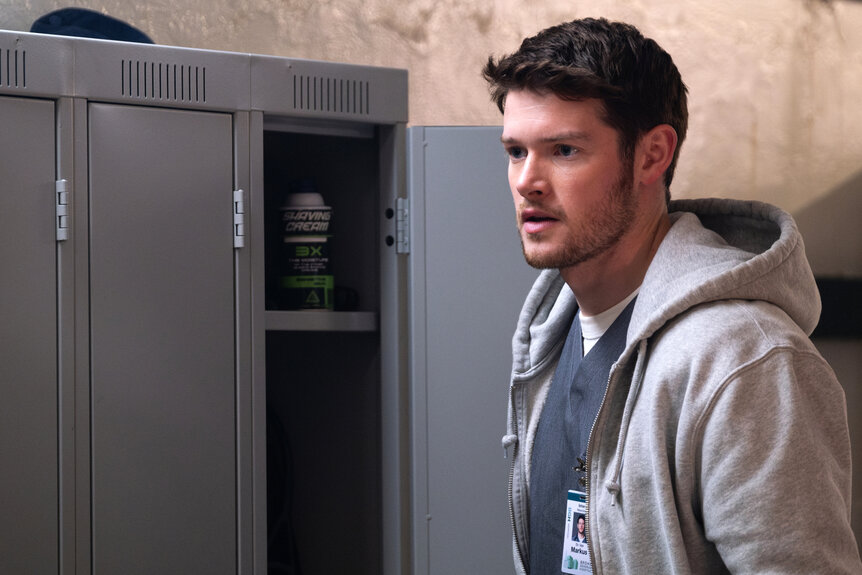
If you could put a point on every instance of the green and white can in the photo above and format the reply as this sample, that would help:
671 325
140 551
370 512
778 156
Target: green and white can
306 280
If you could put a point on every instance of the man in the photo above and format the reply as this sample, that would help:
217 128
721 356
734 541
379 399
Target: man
662 372
580 536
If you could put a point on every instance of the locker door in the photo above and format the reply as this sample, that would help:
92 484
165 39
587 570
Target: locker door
162 341
29 497
468 282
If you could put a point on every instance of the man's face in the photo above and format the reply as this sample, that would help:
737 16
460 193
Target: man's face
580 525
573 194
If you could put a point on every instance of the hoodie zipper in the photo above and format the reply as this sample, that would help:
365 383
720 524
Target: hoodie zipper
512 482
512 514
588 466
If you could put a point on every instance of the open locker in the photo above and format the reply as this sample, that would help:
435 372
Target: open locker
336 430
323 369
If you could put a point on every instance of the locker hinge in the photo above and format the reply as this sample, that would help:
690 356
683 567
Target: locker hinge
402 225
238 219
61 205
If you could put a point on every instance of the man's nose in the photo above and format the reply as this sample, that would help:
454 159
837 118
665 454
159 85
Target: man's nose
531 178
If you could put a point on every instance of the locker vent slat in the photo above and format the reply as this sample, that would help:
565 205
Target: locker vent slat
326 94
13 68
163 81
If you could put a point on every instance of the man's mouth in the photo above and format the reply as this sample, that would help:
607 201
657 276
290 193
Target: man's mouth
536 221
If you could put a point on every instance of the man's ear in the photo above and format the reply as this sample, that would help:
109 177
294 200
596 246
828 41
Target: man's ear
654 154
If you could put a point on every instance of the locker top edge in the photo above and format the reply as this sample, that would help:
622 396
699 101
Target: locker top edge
42 65
327 90
36 64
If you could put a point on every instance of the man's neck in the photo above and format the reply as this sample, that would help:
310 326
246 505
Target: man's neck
604 281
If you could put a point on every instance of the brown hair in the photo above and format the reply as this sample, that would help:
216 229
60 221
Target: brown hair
637 81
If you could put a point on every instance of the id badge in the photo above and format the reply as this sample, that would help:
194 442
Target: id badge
576 554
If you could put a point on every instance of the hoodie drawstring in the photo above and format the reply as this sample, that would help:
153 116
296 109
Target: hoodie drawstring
613 484
508 441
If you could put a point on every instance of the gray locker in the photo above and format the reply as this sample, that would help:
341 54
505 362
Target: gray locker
162 344
125 417
29 492
468 282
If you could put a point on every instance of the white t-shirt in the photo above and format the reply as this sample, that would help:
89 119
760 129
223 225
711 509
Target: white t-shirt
594 327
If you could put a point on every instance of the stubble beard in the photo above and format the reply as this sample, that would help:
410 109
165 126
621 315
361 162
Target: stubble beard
599 231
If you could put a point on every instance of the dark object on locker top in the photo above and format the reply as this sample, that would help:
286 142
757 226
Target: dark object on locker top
87 24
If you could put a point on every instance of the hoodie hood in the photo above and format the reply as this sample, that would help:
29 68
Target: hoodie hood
731 250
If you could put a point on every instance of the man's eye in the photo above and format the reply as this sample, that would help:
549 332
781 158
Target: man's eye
566 151
516 153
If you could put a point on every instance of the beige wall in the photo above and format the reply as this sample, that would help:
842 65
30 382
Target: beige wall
775 85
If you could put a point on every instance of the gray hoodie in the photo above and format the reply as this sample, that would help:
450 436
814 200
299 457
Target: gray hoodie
722 442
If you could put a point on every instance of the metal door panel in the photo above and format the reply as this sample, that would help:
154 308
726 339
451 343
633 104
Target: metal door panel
468 283
29 497
162 343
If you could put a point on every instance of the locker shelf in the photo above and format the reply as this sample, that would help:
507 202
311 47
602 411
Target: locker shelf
321 321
